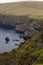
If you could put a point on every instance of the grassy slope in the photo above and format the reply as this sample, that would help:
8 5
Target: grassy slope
30 52
22 8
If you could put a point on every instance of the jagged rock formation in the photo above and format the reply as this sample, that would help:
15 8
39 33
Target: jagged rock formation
23 24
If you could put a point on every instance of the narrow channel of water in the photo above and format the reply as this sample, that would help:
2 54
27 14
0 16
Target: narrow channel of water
12 36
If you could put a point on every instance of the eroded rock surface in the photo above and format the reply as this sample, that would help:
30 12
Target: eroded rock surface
22 24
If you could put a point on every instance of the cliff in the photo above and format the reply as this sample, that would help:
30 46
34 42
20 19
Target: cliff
23 24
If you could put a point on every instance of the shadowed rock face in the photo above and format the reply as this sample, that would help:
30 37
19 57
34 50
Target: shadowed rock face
22 24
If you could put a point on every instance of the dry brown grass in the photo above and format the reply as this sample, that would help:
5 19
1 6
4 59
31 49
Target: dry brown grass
22 8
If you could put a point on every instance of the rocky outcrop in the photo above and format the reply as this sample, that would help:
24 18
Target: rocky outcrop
22 24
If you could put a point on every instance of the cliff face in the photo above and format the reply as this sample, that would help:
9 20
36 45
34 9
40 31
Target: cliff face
22 24
12 20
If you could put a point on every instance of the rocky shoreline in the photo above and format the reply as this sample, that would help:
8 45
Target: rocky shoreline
30 51
24 25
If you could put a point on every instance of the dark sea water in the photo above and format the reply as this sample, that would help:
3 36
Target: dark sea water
12 36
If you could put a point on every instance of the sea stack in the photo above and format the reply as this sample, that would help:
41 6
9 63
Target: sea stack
7 40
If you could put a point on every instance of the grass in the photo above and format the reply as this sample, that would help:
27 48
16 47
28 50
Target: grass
34 9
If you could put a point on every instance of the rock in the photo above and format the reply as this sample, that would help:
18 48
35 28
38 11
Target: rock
39 44
16 40
21 36
37 27
7 40
19 28
27 35
16 44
